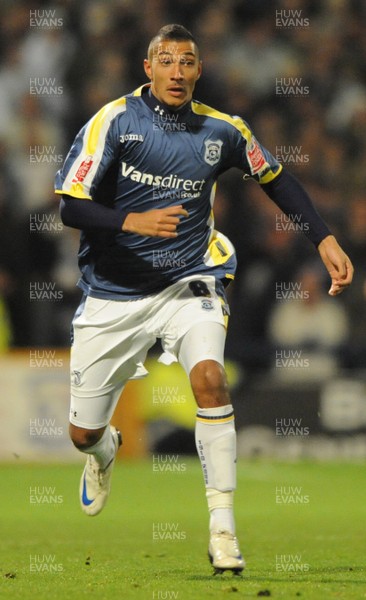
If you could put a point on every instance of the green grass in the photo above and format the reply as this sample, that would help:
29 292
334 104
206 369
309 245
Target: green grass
327 534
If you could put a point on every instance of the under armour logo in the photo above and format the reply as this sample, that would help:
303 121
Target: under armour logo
159 110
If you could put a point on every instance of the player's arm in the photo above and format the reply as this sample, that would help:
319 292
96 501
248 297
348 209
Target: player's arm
293 200
289 195
160 222
88 215
338 264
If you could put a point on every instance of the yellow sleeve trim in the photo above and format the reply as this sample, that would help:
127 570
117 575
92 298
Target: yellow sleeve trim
75 191
98 121
237 122
138 92
270 176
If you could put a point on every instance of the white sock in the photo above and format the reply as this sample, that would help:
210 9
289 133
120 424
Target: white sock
216 447
104 450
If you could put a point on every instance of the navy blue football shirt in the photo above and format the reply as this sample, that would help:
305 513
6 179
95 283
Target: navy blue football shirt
135 155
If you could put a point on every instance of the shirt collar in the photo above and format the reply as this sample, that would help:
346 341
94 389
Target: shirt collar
160 108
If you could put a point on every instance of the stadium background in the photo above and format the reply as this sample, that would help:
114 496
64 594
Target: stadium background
295 70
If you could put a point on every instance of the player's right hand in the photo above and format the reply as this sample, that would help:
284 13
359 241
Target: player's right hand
160 222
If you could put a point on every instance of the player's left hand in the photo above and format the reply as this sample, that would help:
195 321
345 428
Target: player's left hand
337 263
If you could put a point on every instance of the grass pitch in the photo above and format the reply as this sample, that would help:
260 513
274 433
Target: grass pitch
301 528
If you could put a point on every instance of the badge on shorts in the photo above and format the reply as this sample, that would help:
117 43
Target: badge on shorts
213 151
207 304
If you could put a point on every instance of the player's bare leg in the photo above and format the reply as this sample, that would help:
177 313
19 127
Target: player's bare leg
101 445
84 438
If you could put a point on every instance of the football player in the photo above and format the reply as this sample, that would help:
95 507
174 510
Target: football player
139 182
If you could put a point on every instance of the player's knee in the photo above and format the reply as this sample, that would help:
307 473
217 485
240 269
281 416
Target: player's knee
84 438
209 384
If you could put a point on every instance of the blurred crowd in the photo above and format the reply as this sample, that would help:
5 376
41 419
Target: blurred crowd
294 69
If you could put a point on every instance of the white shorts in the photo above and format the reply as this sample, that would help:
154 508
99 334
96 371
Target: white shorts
111 340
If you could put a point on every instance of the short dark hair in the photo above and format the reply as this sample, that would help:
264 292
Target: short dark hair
174 32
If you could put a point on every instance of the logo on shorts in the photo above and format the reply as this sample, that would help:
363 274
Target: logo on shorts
76 377
213 151
207 304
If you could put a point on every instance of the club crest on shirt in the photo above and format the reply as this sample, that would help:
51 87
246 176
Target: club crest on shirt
213 151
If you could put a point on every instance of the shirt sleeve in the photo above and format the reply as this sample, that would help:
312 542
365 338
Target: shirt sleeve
76 213
251 157
290 196
282 187
95 148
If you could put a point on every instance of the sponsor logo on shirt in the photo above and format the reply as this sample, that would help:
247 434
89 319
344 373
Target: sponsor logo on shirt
131 137
256 157
170 181
83 170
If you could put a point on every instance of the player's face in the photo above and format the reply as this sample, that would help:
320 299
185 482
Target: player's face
173 68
